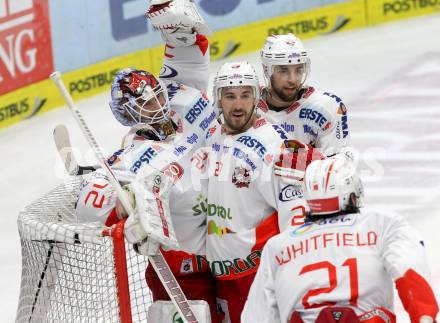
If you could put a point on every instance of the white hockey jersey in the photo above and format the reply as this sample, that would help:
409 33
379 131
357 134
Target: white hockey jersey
187 65
350 260
317 118
244 195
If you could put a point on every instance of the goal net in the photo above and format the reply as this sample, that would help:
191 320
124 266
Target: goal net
77 272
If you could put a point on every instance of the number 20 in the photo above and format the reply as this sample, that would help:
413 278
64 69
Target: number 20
351 263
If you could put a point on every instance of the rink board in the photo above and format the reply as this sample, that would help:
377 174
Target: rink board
42 96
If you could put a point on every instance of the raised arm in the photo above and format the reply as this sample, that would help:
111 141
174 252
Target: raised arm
186 58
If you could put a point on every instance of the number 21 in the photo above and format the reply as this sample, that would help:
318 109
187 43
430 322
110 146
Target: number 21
351 263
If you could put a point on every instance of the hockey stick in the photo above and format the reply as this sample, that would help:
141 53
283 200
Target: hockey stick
62 142
159 264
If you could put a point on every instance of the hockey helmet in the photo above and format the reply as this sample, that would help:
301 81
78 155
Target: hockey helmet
234 75
138 97
329 185
284 50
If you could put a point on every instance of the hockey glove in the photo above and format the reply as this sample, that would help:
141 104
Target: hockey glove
294 159
120 211
178 21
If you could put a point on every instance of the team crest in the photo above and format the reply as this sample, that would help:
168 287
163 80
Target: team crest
186 266
241 177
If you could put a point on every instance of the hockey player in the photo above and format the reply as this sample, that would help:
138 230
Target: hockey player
342 263
249 199
162 139
309 115
168 118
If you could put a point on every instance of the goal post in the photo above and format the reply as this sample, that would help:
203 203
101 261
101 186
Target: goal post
77 272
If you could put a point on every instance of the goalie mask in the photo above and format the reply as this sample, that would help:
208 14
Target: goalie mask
235 74
332 186
284 50
138 97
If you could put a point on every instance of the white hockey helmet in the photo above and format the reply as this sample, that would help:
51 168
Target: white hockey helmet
234 75
283 50
329 184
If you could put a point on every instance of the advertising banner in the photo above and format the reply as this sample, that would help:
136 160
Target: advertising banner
25 43
319 21
100 37
380 11
43 96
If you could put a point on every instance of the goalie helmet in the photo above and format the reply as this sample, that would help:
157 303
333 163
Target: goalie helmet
234 75
283 50
329 184
138 97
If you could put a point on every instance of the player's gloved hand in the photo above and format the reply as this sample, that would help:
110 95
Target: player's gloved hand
136 235
294 159
120 211
178 21
147 247
133 230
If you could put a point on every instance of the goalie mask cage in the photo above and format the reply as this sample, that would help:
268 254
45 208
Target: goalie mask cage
77 272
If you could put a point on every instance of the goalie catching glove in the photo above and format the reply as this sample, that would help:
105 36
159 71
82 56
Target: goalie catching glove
150 225
178 21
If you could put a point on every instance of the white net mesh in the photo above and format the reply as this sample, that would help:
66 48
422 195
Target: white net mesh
68 268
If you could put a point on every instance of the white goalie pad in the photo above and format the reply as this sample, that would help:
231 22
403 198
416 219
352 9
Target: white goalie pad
152 214
178 21
165 311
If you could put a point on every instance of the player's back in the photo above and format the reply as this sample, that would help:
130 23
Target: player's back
337 261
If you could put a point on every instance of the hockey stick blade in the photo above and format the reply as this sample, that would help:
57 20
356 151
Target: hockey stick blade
62 142
61 138
158 262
